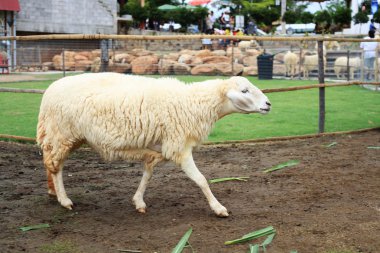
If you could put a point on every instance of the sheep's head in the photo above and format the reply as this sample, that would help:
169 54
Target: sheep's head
243 97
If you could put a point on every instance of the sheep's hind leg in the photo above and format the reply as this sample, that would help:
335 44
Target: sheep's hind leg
151 159
50 183
191 170
53 162
60 190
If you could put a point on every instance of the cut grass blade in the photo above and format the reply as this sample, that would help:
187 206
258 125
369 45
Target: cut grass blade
253 235
182 243
218 180
282 165
374 147
34 227
254 248
267 241
129 250
331 144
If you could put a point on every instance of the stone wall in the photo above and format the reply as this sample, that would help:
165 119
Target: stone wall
67 16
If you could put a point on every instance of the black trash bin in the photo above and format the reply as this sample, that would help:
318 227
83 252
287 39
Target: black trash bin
265 66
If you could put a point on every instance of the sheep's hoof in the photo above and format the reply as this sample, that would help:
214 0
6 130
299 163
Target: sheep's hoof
67 203
222 212
222 215
141 210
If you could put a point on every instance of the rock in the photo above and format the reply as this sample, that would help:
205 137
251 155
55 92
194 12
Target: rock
203 53
146 65
95 53
79 57
124 58
278 69
47 66
69 62
165 67
138 52
279 57
185 58
83 65
236 52
187 51
181 69
250 71
95 66
87 54
196 61
120 67
219 52
171 56
216 59
204 69
225 69
250 61
253 52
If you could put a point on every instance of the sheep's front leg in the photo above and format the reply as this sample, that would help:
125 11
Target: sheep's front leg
191 170
151 158
138 198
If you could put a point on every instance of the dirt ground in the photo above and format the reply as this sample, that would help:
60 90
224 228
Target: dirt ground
329 201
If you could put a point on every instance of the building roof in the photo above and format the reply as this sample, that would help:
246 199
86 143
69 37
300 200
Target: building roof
9 5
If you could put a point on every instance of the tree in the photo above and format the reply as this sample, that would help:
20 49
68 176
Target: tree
133 7
307 17
322 20
340 13
376 16
290 17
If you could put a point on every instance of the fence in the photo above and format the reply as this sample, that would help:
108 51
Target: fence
185 55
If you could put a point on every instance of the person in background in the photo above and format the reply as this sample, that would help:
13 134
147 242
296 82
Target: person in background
372 25
369 48
207 43
210 20
222 21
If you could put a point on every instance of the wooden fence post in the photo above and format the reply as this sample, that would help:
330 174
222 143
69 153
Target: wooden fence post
321 79
63 62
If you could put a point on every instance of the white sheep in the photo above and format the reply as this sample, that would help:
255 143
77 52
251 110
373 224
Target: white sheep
137 118
311 63
340 65
291 61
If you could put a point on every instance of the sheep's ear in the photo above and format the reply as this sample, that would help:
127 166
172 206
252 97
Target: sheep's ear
225 87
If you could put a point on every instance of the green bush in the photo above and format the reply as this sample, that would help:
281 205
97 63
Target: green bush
376 16
341 15
307 17
361 18
323 21
290 17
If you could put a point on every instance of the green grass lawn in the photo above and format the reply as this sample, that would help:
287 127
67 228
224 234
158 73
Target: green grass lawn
293 113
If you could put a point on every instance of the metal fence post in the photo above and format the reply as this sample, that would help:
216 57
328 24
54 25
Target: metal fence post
377 66
232 59
103 55
362 68
348 65
321 79
300 63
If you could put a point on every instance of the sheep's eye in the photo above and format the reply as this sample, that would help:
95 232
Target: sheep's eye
245 91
